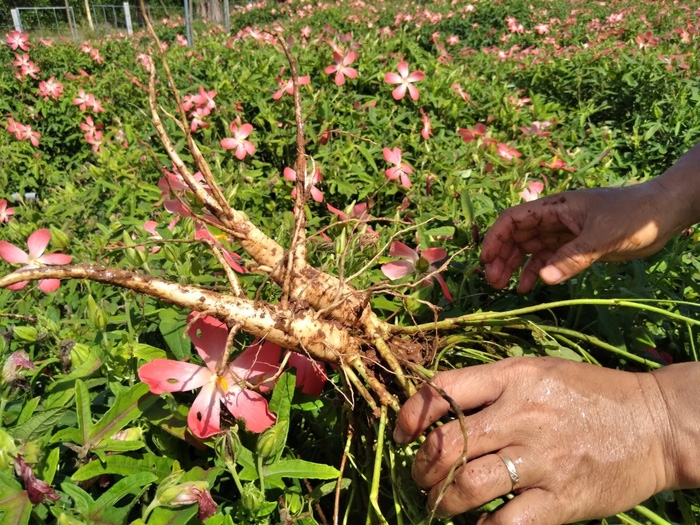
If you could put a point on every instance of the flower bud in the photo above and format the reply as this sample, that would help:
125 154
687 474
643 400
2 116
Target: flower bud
26 333
271 441
96 315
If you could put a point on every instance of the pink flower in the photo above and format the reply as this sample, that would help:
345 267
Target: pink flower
341 68
50 89
233 259
84 100
469 135
205 98
181 40
198 115
23 132
532 191
399 170
93 134
537 128
306 32
506 152
405 81
238 142
5 211
37 243
316 194
219 381
557 164
288 86
17 40
415 263
427 130
452 40
145 62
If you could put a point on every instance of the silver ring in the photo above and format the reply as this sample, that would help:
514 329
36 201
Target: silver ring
512 472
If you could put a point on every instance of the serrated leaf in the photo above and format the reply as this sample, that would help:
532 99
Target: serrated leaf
123 466
127 407
39 424
82 409
131 485
82 499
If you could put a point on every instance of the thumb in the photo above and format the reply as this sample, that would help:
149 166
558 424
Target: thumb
530 506
569 260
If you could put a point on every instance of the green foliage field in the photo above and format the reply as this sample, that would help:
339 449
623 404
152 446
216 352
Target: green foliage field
617 106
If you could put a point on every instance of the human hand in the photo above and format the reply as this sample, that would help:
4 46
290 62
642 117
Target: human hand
567 232
586 441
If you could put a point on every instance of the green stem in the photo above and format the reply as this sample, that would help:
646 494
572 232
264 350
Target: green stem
3 404
479 318
261 475
377 470
651 516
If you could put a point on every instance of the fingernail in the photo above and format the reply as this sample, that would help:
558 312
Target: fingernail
551 275
400 436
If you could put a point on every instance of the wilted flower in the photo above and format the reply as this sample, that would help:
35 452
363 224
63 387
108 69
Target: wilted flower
419 263
37 490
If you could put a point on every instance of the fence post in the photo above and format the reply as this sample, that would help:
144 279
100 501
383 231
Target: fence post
188 23
16 20
227 17
89 16
127 18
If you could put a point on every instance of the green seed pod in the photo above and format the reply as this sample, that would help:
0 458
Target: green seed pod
26 333
96 315
251 497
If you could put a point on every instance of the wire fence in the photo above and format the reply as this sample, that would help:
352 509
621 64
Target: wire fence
100 20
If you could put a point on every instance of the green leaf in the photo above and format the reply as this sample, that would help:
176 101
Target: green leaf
15 507
442 231
106 503
127 407
123 466
90 365
299 468
172 327
82 407
38 425
82 499
179 516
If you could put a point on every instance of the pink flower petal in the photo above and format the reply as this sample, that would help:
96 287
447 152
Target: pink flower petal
166 375
443 285
316 194
392 156
49 285
402 68
37 243
399 92
209 337
204 418
392 78
12 254
18 286
399 249
55 258
310 374
290 174
251 406
257 362
229 143
433 255
413 91
398 269
416 76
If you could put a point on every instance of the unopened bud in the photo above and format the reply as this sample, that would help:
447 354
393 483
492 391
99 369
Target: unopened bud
271 441
251 497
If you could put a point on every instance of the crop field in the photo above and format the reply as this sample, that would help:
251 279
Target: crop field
287 220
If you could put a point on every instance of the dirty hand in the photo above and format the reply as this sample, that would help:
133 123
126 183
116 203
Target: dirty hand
567 232
584 441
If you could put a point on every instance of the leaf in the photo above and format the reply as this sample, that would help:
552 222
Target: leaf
82 407
127 407
299 468
38 425
15 507
81 498
442 231
131 485
179 516
123 466
172 327
281 399
90 365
